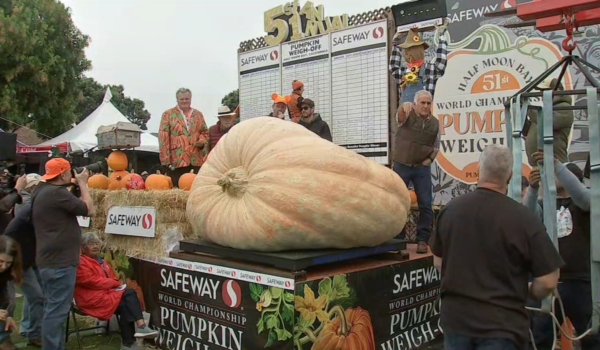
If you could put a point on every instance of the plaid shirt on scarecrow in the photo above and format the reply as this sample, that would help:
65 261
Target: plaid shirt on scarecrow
434 70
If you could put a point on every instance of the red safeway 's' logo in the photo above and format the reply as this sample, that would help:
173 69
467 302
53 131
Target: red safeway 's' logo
210 269
147 221
378 32
232 293
506 4
274 55
258 279
233 273
288 284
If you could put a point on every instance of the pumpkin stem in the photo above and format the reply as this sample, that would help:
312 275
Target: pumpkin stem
234 181
339 312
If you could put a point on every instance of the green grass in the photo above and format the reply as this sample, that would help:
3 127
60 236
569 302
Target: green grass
100 342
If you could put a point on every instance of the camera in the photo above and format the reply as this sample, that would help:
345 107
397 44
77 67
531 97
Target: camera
93 168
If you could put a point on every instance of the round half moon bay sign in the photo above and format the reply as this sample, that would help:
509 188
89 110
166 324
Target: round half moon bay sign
469 98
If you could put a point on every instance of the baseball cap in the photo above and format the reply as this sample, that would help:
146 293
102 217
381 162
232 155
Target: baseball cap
32 180
308 102
55 167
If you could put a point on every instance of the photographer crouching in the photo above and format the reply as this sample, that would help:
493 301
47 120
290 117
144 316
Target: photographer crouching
54 211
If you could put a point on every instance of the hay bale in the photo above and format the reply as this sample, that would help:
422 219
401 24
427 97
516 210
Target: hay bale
165 235
171 221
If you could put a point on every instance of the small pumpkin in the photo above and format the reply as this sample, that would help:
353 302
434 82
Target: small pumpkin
413 197
98 181
305 192
186 180
116 180
117 160
134 182
350 330
158 182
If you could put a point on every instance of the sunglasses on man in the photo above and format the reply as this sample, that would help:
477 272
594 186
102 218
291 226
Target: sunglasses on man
305 108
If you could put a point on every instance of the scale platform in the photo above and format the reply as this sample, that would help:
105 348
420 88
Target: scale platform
293 260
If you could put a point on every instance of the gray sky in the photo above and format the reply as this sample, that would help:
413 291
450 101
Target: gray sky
154 47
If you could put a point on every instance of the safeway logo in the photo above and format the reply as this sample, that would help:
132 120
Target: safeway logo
378 32
274 55
233 274
258 279
131 221
147 221
232 294
288 284
506 4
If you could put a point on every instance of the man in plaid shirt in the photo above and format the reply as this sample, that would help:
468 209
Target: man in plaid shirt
409 73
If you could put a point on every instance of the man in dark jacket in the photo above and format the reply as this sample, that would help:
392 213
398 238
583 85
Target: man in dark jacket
9 201
215 132
312 121
562 122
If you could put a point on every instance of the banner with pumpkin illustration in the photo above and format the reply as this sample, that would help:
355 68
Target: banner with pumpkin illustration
487 64
391 305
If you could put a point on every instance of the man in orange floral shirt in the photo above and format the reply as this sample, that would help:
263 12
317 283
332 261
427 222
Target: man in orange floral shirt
182 137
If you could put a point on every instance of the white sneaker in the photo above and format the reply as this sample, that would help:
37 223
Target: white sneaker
145 332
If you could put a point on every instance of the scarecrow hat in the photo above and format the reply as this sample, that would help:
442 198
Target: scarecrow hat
224 111
413 39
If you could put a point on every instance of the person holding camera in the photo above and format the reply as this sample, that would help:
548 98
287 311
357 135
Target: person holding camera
9 200
54 211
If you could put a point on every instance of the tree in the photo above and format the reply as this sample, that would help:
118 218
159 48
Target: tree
231 100
41 60
92 93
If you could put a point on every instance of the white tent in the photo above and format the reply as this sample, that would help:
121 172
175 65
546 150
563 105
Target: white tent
82 137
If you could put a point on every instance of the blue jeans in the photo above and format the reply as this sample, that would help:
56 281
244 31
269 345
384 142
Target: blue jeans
58 285
33 305
460 342
577 302
420 177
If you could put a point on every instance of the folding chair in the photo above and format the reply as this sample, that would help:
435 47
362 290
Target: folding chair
74 312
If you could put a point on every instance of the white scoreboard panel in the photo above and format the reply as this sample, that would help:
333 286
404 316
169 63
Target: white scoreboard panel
308 61
260 77
345 73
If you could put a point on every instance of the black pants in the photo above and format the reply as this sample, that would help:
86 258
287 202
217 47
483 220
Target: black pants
176 174
129 311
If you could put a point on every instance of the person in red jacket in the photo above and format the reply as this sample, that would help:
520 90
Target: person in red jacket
98 293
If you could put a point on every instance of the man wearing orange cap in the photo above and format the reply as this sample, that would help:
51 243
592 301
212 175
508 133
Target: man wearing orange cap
280 105
54 211
295 100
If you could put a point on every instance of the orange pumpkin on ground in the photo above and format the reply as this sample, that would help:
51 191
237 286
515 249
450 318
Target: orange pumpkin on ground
117 160
116 180
186 180
350 330
98 181
413 197
305 192
158 182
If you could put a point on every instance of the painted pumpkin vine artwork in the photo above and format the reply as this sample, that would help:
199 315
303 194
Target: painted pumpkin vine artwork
320 319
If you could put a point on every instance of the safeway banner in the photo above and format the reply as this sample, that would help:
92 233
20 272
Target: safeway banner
131 221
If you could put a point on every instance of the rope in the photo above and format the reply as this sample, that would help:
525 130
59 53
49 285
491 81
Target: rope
23 126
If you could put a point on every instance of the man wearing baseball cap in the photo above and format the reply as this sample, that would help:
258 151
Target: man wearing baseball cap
54 211
312 121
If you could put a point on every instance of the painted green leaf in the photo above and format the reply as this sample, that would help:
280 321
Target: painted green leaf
275 292
340 287
179 152
283 335
255 291
288 297
260 326
288 313
272 338
272 321
325 287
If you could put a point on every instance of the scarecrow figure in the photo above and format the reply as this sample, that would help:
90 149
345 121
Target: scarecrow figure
414 74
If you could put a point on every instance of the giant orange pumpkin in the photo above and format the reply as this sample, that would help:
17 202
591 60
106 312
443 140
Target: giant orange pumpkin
354 331
186 181
98 181
117 160
283 187
117 180
158 182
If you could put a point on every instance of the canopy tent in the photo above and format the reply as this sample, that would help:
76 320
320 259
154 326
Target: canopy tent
82 137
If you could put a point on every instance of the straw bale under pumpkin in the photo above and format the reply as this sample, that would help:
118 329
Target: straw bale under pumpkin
171 221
